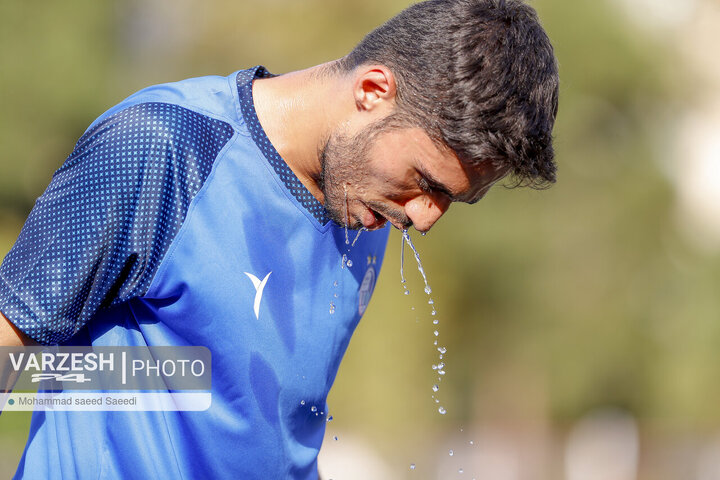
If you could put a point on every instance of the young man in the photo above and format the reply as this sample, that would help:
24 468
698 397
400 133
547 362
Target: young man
210 212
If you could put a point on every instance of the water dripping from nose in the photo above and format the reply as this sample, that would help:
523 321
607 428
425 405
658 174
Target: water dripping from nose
402 264
439 368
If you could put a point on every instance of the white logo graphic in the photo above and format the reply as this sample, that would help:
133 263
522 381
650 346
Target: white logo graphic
259 286
68 377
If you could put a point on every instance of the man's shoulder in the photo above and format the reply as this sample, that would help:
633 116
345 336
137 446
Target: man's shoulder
211 96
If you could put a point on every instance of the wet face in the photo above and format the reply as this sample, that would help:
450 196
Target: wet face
397 175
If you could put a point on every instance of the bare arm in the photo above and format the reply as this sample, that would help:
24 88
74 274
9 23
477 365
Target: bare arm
10 336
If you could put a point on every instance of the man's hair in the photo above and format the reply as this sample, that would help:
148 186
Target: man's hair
479 76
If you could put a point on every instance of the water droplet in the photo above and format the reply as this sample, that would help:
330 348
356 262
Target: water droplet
436 388
435 342
472 443
402 263
345 213
335 284
441 372
436 333
412 466
437 401
349 263
442 410
332 308
313 408
441 365
329 419
302 402
436 321
442 350
358 236
335 438
460 470
433 313
431 302
406 238
343 261
451 453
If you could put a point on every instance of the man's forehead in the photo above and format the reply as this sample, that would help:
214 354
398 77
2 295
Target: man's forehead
482 176
446 172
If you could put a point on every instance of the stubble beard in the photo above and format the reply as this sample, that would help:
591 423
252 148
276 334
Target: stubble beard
342 162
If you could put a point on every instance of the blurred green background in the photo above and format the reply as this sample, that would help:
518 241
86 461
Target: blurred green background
582 323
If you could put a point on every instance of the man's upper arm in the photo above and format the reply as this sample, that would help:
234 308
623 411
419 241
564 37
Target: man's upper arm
10 336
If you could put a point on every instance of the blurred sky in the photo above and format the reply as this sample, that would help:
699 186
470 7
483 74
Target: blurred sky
586 312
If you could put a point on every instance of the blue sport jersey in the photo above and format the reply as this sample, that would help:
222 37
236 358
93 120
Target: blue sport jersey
175 222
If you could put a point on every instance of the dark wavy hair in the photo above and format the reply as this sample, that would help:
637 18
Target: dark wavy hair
479 76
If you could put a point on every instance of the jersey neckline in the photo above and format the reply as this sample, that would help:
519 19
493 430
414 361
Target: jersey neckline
287 176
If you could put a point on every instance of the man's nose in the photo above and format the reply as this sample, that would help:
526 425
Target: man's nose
425 210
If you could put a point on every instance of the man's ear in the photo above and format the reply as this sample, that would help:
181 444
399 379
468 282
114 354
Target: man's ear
374 87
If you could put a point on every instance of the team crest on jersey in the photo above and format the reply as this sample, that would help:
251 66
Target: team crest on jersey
366 289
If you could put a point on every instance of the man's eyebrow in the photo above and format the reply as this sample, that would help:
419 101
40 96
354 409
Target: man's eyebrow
436 185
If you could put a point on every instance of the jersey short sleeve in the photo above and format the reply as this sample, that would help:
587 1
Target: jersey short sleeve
99 232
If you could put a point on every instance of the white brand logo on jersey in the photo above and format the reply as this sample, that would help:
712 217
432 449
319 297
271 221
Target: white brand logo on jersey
259 286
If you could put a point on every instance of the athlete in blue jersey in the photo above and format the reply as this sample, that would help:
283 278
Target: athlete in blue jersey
211 212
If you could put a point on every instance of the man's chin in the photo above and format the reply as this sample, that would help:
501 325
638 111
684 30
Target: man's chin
342 221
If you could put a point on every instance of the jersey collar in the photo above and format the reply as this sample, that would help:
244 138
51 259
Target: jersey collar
288 177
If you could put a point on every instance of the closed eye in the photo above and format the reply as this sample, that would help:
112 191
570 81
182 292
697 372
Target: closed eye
424 185
431 186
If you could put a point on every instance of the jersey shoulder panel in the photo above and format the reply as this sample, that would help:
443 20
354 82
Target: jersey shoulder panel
212 96
100 230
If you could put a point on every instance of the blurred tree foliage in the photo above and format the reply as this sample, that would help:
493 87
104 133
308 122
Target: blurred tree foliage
550 303
55 61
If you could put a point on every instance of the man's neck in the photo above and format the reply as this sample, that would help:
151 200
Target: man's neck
298 112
